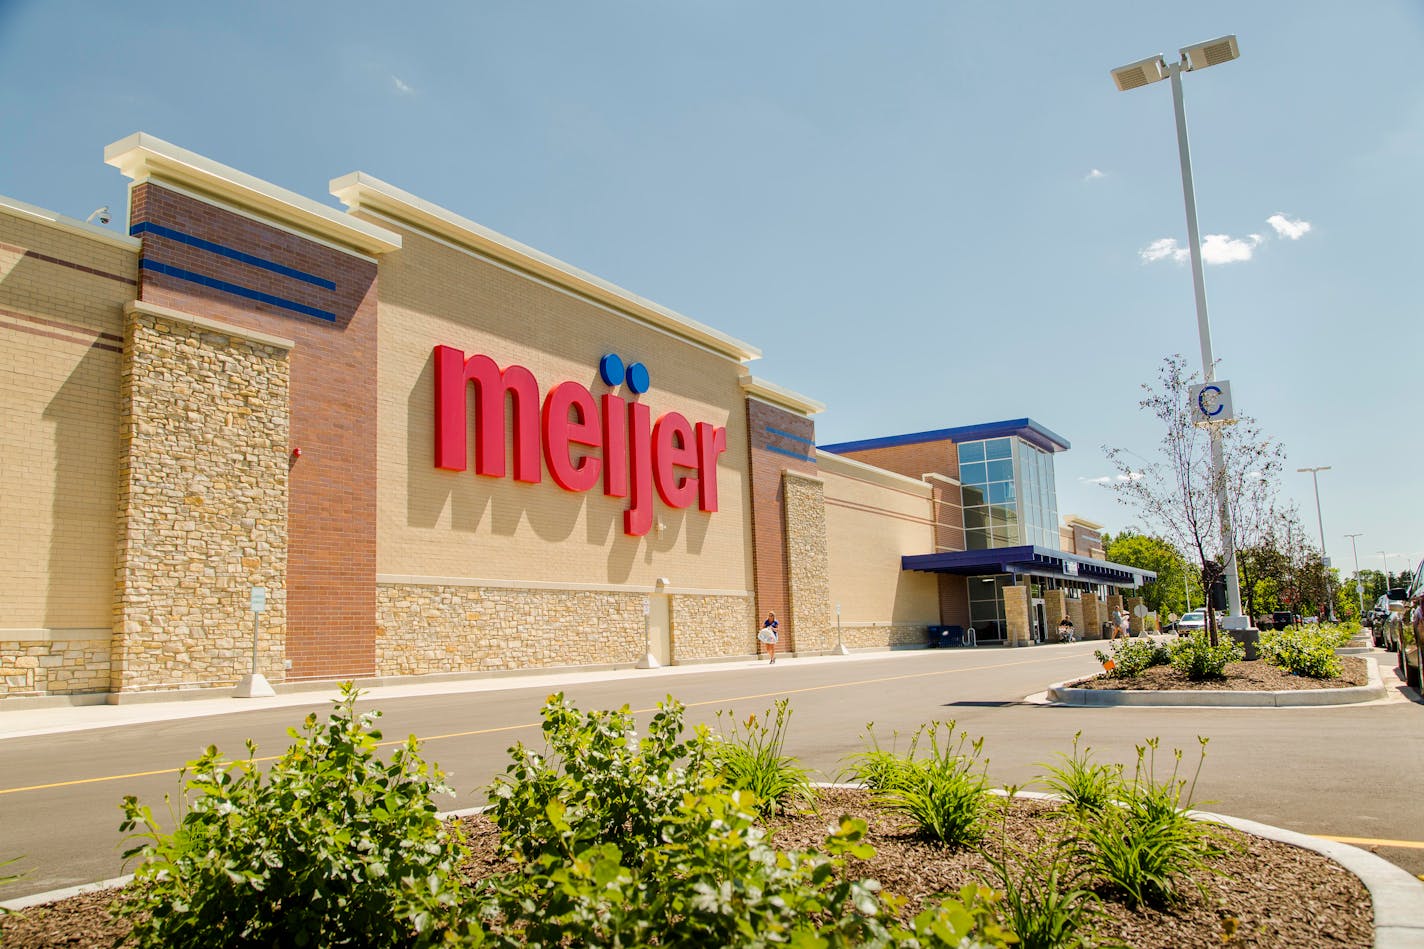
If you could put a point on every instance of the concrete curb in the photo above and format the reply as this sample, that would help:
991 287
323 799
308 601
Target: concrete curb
1064 694
1396 897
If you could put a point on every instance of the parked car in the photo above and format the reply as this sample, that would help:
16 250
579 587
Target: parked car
1406 626
1377 617
1193 622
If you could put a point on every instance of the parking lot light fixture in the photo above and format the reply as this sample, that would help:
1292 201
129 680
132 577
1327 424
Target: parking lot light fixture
1359 584
1198 56
1320 522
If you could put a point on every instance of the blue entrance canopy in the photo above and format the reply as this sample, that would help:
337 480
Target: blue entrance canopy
1029 559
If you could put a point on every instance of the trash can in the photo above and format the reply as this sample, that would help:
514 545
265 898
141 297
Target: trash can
944 636
1107 630
935 634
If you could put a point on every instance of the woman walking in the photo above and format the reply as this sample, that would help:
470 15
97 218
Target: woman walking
768 635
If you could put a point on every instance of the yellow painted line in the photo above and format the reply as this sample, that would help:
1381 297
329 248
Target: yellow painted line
1374 842
508 728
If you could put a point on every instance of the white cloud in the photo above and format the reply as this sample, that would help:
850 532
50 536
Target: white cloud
403 87
1215 249
1094 175
1105 479
1109 479
1290 229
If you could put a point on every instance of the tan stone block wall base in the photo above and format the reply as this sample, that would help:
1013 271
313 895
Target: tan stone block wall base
711 627
54 666
424 629
881 635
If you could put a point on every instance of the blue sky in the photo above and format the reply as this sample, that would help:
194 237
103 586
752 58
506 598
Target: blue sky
925 214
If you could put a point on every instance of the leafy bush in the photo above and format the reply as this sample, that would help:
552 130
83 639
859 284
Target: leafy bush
1085 786
1195 656
1130 657
752 760
945 793
1302 652
333 847
608 785
606 856
1147 845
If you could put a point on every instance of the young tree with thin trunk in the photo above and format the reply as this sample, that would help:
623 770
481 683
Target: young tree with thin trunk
1177 494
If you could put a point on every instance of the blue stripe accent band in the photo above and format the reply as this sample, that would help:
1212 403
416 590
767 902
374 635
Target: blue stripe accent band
794 438
159 230
234 289
788 454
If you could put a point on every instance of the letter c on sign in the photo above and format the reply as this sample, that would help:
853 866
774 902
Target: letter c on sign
1201 401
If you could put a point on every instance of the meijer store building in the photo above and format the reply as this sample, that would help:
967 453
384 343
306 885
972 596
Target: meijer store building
439 451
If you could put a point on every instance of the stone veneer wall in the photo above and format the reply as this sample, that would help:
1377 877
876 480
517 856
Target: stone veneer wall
431 628
202 507
808 569
1093 616
708 626
881 635
53 665
1016 615
1055 607
1132 603
1075 613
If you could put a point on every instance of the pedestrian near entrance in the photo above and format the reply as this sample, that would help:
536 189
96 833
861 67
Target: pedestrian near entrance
768 635
1125 624
1065 630
1116 621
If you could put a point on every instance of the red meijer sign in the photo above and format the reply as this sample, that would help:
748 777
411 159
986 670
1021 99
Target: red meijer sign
628 451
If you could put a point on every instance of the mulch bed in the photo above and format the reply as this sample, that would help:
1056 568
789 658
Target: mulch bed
1254 676
1266 894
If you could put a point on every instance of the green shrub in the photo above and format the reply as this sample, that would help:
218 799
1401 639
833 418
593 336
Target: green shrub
609 785
1302 652
606 857
749 758
1195 656
332 847
1085 786
1130 657
945 793
1147 846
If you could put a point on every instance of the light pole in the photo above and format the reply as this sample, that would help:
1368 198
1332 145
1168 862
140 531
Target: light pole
1144 72
1359 584
1320 522
1385 557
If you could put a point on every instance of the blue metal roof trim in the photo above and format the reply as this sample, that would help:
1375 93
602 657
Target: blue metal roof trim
1026 557
1025 428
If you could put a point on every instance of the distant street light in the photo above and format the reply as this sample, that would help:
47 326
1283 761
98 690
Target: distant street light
1142 73
1359 584
1320 522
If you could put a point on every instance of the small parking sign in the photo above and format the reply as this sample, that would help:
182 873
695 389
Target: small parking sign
1211 402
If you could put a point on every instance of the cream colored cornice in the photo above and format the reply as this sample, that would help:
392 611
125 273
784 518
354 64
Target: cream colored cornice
143 158
780 396
70 224
359 191
207 323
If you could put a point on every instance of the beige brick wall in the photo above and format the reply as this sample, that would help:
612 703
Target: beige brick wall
872 520
807 565
881 635
202 504
1016 616
61 336
61 302
1093 616
440 523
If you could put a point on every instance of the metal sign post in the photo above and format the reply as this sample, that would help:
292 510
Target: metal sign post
255 685
649 661
841 649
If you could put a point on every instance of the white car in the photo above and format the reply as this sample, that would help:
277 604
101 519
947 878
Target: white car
1192 622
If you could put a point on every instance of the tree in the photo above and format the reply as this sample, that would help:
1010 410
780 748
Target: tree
1177 495
1165 594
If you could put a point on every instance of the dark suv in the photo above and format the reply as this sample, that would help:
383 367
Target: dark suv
1406 628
